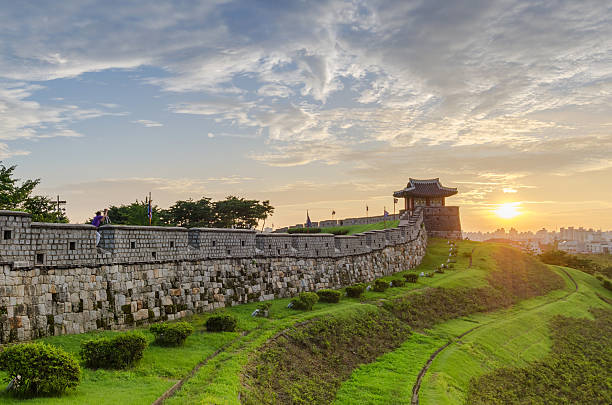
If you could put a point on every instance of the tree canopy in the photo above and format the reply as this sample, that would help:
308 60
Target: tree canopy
134 214
233 212
17 195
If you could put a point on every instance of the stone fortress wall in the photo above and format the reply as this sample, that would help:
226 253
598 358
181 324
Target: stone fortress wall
54 280
442 222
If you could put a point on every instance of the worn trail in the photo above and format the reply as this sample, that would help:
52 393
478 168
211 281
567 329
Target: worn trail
172 390
417 384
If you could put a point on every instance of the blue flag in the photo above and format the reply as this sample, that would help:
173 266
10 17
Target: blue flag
308 221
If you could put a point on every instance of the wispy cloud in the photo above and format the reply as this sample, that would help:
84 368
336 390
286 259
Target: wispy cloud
148 123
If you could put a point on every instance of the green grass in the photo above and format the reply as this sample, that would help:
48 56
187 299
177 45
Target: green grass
514 340
511 337
353 229
577 370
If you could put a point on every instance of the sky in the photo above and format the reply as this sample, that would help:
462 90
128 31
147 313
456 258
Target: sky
314 105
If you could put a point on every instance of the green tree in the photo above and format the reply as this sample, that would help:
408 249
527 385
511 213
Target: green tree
133 214
17 195
12 195
240 213
190 213
43 209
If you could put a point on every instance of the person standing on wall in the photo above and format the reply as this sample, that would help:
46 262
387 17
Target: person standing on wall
97 221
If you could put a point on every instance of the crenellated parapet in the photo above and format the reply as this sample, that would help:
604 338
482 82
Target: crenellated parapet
27 244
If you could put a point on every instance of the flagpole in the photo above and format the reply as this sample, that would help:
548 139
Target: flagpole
384 216
150 213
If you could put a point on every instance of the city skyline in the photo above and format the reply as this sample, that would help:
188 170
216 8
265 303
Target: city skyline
319 106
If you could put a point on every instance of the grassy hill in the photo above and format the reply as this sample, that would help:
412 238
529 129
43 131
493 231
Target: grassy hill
353 229
317 365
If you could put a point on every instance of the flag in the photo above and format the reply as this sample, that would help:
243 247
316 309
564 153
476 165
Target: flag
333 213
385 213
150 211
308 221
366 207
395 201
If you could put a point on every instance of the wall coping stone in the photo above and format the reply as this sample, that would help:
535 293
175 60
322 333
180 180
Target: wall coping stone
145 228
15 213
62 226
220 230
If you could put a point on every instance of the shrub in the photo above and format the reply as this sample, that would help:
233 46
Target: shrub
221 323
171 334
338 231
305 301
607 285
117 352
329 295
380 285
451 266
411 277
355 291
42 369
440 271
398 282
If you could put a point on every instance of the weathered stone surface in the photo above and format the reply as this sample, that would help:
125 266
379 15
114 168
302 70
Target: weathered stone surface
83 290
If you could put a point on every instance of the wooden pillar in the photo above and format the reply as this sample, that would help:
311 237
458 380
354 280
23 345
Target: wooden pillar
443 201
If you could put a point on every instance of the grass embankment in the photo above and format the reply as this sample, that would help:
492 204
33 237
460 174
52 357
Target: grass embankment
218 381
300 370
513 340
353 229
578 369
306 364
509 337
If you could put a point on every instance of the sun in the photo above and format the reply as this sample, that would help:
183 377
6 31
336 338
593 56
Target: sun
508 210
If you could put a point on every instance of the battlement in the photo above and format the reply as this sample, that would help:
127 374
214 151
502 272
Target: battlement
25 244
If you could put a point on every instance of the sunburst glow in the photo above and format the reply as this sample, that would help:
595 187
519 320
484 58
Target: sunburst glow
508 210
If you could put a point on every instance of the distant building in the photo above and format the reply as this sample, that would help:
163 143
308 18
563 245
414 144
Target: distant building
430 197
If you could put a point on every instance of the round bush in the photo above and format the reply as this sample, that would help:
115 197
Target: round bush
39 369
305 301
117 352
380 285
329 295
398 282
171 334
411 277
355 291
221 323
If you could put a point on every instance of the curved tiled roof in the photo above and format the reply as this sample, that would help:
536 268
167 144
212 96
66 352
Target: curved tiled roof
425 188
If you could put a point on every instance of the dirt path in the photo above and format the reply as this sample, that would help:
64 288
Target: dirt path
417 384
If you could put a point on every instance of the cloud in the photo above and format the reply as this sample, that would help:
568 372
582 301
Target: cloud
6 153
367 88
23 118
148 123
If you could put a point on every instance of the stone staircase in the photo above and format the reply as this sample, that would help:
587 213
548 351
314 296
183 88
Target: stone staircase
410 218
